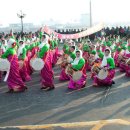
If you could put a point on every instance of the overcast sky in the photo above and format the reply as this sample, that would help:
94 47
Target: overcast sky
64 10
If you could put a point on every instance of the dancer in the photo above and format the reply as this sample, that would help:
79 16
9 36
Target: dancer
109 65
23 60
14 80
46 72
78 65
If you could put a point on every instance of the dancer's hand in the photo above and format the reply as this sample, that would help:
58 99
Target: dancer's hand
105 68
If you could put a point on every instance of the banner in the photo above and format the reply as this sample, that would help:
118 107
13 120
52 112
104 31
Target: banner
87 32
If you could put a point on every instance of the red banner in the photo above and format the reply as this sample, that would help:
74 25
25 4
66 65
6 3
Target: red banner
87 32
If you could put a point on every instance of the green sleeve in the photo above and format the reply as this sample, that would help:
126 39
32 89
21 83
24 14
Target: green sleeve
101 55
73 55
66 50
52 45
85 47
128 48
119 49
55 44
79 65
40 35
65 46
31 46
109 43
124 47
111 63
27 47
93 52
43 51
24 53
114 49
37 43
10 51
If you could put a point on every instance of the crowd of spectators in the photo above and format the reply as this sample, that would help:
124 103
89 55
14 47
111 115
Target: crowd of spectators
122 31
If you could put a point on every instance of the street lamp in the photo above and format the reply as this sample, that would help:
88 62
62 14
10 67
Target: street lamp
21 16
90 14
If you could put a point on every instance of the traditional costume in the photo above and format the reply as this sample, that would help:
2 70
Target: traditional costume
14 80
46 72
71 56
107 62
86 56
24 61
78 65
127 65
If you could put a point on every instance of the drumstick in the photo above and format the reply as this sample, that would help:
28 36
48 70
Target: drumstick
105 93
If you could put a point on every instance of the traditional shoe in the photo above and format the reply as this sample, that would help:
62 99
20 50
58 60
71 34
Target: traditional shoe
26 88
49 89
113 82
10 91
83 86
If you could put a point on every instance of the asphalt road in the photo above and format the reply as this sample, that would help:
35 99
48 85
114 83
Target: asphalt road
36 107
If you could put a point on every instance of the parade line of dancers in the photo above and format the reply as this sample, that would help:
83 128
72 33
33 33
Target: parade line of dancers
100 57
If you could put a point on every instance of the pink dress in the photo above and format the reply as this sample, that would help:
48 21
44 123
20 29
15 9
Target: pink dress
47 72
127 67
116 59
29 68
79 83
23 71
87 66
63 75
107 81
14 80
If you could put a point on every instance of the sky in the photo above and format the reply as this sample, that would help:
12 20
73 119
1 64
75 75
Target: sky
64 10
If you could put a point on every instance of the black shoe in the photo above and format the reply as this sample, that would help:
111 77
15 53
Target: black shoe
53 65
83 86
113 82
26 88
10 91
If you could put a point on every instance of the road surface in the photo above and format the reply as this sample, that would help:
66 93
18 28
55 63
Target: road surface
79 109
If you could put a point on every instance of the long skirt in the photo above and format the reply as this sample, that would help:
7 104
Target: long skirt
116 59
24 73
107 81
33 52
87 65
122 67
14 80
63 75
77 84
29 68
128 70
47 72
55 57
